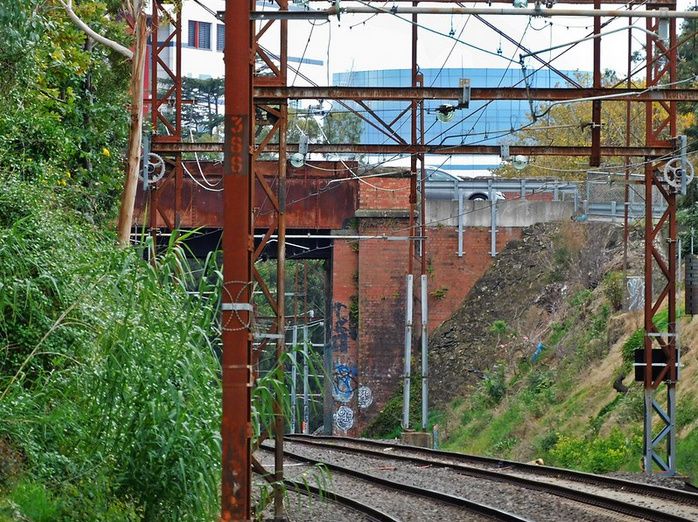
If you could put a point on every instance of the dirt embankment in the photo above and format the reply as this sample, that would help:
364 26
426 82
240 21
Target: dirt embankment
520 294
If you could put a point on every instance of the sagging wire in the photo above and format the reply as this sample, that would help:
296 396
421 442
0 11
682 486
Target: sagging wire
429 29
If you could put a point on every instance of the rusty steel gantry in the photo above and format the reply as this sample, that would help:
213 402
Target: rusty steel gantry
252 100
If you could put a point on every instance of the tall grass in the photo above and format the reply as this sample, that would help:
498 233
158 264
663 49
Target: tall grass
110 382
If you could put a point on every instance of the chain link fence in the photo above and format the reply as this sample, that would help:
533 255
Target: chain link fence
604 197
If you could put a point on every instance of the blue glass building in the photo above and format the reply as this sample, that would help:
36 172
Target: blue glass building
482 123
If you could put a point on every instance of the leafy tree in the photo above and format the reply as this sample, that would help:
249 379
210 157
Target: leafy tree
203 112
688 68
569 124
63 123
133 11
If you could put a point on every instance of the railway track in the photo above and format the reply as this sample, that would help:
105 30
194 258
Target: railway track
602 498
369 512
399 501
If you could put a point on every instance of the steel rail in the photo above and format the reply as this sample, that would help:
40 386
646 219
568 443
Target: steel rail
453 500
579 476
556 489
371 512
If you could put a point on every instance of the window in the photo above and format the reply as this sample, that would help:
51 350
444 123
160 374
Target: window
220 37
199 34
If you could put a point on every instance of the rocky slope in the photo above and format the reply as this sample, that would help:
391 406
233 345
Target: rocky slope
509 310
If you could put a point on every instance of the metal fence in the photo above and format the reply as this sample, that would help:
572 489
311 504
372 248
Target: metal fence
605 197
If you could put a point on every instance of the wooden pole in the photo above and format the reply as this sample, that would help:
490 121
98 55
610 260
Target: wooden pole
128 196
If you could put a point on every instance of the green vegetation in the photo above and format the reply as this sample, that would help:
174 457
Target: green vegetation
440 293
109 392
613 288
596 454
64 121
507 413
110 387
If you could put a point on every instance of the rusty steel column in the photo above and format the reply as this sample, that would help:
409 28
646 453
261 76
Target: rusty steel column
279 421
660 129
237 249
595 159
167 127
412 224
424 280
626 188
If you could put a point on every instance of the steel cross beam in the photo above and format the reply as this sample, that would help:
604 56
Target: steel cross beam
476 93
376 148
667 3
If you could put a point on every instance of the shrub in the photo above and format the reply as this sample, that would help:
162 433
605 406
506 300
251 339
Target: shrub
595 455
614 289
636 341
495 385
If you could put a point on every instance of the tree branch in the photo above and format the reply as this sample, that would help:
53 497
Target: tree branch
94 35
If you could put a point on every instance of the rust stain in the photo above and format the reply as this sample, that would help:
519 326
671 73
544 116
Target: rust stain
312 202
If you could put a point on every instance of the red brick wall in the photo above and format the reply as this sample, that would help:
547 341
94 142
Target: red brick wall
382 271
368 367
384 193
451 277
343 339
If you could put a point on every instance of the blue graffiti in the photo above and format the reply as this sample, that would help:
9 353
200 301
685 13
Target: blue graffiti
344 382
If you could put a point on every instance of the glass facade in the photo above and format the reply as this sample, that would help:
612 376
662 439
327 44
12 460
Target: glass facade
481 123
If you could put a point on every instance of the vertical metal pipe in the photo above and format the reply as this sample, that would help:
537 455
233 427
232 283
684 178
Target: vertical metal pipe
409 298
306 382
672 256
236 429
294 376
649 391
678 267
408 353
649 240
413 157
647 439
425 353
179 166
460 223
279 420
328 401
493 219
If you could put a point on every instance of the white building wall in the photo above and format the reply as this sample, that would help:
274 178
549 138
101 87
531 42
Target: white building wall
197 62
